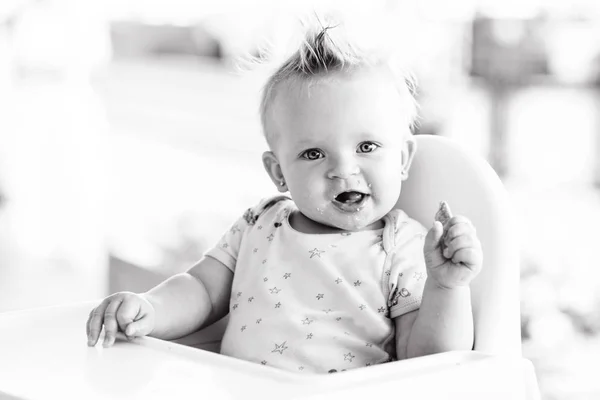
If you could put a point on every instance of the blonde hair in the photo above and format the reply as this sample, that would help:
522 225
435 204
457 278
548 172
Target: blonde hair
326 48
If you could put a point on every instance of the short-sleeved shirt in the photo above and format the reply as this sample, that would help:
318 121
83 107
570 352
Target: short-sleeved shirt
318 302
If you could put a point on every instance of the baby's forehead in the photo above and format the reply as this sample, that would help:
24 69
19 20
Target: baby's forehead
376 82
304 101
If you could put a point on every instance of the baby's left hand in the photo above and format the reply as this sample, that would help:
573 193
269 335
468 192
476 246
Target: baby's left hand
457 258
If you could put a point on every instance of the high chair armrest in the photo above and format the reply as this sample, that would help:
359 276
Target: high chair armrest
44 355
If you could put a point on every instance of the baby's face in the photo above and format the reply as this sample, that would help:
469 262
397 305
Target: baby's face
342 146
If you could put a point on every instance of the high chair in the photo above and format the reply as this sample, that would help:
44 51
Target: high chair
47 346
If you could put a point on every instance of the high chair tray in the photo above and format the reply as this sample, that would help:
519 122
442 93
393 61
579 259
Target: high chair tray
44 355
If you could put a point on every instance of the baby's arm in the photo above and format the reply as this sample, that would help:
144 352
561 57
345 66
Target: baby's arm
176 307
444 322
189 301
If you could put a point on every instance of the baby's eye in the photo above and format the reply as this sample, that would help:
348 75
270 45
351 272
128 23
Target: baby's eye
367 147
312 154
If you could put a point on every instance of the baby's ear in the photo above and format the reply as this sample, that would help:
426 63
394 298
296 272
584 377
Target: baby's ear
273 168
408 153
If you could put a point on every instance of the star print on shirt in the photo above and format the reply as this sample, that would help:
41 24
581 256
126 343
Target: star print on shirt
327 311
381 310
307 321
286 275
263 362
309 336
278 305
388 272
224 245
301 368
264 261
250 299
234 229
338 281
255 250
418 276
235 306
320 296
271 237
280 348
316 252
362 306
243 328
265 279
274 290
259 227
357 283
348 357
239 294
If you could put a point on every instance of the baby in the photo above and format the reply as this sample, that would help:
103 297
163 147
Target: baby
333 277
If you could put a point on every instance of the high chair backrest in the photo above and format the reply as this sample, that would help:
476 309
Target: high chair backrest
443 170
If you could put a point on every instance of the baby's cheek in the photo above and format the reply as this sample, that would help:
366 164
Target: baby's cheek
312 206
307 199
387 191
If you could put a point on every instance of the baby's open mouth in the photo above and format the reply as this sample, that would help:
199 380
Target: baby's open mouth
350 197
350 201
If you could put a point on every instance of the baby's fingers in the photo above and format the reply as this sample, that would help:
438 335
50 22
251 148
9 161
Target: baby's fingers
458 226
470 257
94 323
432 240
460 242
141 327
110 322
127 313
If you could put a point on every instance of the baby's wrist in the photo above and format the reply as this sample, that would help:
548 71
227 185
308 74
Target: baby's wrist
435 285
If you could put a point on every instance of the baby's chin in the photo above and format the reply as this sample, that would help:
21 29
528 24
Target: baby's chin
351 223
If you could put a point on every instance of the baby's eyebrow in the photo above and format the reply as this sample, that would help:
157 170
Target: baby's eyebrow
307 143
358 137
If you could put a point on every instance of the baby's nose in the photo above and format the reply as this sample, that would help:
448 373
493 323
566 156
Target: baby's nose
343 169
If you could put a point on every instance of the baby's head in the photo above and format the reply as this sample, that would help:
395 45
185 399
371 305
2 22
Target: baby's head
338 123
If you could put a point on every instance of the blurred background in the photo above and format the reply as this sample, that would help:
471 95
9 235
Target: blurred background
130 140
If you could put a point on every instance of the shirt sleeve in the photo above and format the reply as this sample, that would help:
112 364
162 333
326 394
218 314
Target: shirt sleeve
407 269
228 247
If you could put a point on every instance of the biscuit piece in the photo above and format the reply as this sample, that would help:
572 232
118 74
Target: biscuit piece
443 214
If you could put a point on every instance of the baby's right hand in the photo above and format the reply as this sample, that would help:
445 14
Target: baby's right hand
127 312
